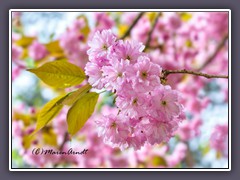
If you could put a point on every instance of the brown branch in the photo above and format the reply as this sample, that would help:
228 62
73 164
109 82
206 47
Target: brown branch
211 58
152 29
65 139
132 25
189 159
165 73
184 71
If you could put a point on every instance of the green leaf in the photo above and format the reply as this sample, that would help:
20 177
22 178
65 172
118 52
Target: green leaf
59 74
74 96
48 112
80 112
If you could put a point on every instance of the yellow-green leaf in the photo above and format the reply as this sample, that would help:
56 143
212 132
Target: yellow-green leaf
24 53
50 137
27 140
25 41
53 47
59 74
80 112
74 96
158 161
86 29
48 112
25 118
205 150
122 29
151 15
218 155
185 16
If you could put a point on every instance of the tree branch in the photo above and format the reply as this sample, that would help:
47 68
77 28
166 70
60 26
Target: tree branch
65 139
165 73
150 33
211 58
132 25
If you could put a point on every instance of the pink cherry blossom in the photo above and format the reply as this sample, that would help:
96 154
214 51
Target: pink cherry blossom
130 50
189 129
113 129
158 132
77 25
101 43
178 155
131 103
73 42
15 72
37 51
128 18
147 75
103 21
16 52
115 74
70 41
219 139
165 101
95 75
141 30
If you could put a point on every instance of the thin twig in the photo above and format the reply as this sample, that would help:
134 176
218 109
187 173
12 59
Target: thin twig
184 71
190 161
165 73
65 139
211 58
132 25
152 29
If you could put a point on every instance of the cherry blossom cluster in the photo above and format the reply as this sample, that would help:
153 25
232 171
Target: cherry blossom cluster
88 138
73 43
219 139
148 112
73 40
179 43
